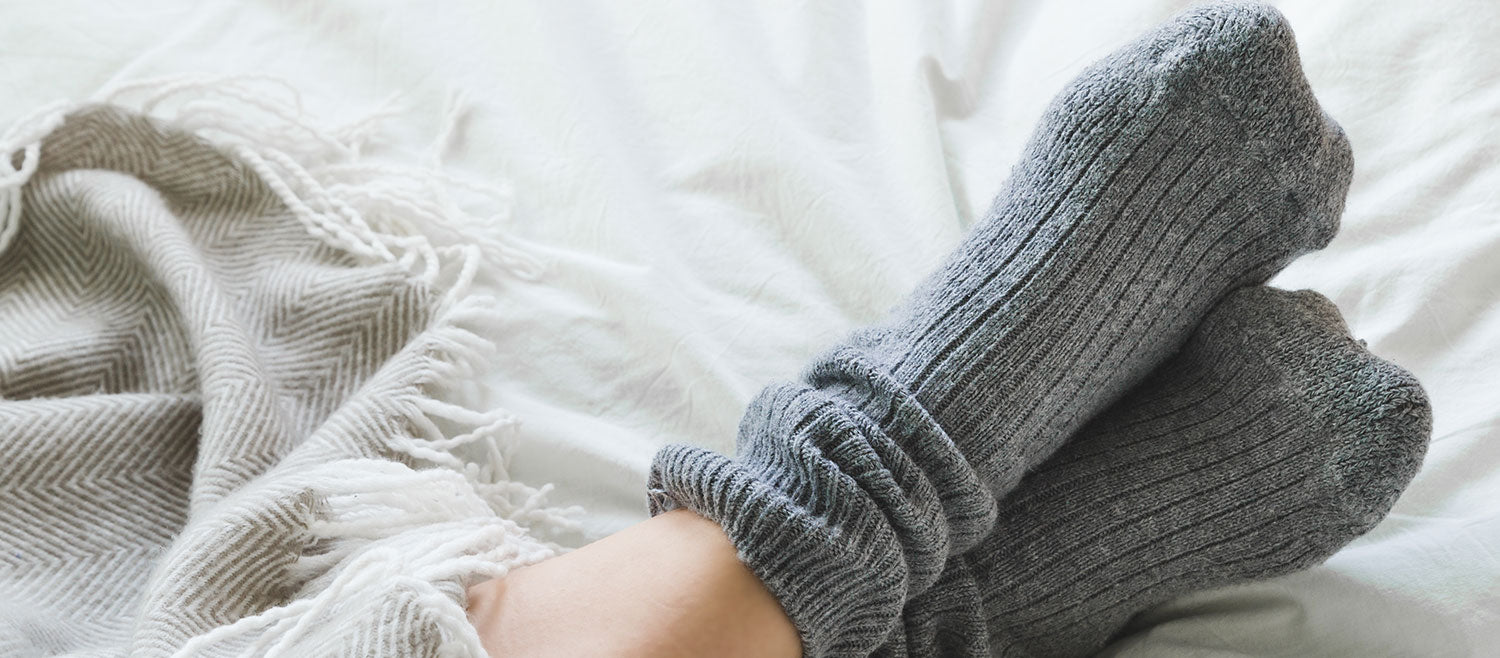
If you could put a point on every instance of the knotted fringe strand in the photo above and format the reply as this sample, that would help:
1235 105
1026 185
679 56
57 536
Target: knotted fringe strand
379 212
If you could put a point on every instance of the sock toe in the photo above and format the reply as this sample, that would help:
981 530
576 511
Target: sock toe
1243 58
1374 415
1380 445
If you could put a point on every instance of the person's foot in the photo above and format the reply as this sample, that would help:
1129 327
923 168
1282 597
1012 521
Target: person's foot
1190 163
1272 440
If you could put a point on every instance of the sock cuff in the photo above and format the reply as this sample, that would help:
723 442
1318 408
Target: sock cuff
844 498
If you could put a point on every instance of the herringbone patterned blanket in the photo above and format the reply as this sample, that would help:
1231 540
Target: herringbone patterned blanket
216 432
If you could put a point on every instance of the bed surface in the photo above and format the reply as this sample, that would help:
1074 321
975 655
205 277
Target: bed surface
723 190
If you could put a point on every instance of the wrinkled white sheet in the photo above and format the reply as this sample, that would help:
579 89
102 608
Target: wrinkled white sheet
724 188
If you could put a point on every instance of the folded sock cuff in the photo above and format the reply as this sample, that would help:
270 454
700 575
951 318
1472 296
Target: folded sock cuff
844 498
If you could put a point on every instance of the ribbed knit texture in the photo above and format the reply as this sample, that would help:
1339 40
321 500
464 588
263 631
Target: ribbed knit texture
210 420
1190 163
1272 440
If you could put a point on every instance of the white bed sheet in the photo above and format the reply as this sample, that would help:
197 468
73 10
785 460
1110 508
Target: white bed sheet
724 188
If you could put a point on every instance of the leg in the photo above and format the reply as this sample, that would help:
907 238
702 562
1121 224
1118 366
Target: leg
1191 163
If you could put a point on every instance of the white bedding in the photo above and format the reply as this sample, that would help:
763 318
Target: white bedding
722 189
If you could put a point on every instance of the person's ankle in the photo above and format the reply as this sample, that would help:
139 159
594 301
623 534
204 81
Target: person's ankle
671 586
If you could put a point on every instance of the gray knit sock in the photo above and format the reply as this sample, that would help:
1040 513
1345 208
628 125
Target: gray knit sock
1192 162
1272 440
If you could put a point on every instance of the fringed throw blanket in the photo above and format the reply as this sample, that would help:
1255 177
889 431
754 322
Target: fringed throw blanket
218 434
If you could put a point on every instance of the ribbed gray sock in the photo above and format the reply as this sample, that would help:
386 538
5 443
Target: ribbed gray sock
1190 163
1272 440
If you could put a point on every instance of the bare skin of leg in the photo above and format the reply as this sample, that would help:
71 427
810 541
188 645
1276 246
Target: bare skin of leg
670 586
